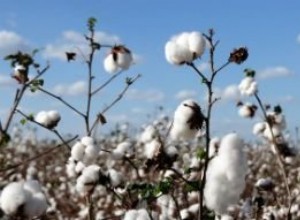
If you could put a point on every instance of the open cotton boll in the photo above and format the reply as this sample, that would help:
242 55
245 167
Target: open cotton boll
91 151
79 167
117 154
182 40
12 197
142 215
54 116
259 128
148 134
110 65
70 168
245 111
124 60
125 147
88 179
36 205
248 86
196 43
226 175
77 151
226 217
170 53
268 132
87 140
188 120
115 177
214 145
131 215
42 118
152 148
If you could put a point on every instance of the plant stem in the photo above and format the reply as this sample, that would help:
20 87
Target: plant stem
277 154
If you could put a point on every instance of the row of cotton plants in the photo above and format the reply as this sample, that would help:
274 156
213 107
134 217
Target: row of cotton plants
171 168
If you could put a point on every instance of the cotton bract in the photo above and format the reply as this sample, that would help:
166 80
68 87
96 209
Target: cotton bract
184 47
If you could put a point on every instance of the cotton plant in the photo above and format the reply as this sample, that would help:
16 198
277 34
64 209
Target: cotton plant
184 49
271 128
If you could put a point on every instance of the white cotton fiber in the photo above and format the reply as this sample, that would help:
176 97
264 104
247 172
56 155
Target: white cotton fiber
226 175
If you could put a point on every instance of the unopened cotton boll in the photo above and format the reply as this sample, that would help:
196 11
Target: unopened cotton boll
188 120
13 196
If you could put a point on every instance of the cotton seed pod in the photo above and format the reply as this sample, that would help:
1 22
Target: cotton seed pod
53 118
110 65
20 74
42 118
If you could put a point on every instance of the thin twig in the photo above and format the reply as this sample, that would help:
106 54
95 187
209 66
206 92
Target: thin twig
61 100
43 126
119 97
204 78
279 159
107 82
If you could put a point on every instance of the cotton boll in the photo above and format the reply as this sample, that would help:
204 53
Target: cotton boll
124 60
149 134
91 151
214 145
185 214
259 128
182 40
36 205
152 148
12 197
117 154
226 217
245 111
115 177
88 179
54 117
42 118
188 119
125 147
70 168
20 73
248 86
226 175
142 215
170 52
79 167
196 43
110 65
131 215
77 151
268 132
87 140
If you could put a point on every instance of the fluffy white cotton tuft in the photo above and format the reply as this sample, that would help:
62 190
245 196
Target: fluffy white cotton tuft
148 134
187 121
88 179
184 48
259 128
119 58
248 86
152 148
134 214
226 175
49 119
12 197
27 195
115 177
77 151
123 149
247 110
110 65
214 145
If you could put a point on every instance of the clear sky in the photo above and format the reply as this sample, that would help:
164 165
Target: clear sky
270 29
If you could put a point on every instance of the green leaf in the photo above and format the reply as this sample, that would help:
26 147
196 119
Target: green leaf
201 153
192 186
23 121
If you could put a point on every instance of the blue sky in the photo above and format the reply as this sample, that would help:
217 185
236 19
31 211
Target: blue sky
268 28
